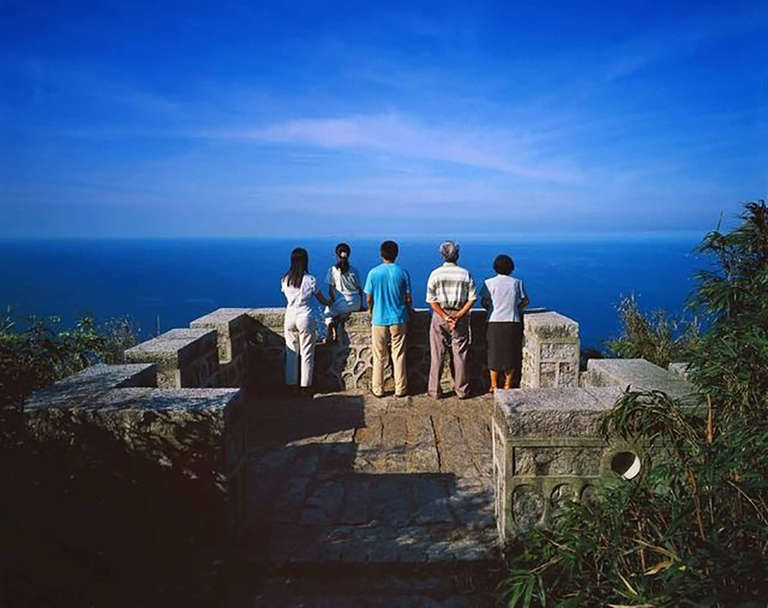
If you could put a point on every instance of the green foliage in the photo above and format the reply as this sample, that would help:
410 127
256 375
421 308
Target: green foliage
656 337
732 363
37 354
692 528
690 531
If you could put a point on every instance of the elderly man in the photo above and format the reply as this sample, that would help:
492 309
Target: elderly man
451 294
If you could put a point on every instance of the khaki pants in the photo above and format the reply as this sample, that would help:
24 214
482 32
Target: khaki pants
396 335
459 336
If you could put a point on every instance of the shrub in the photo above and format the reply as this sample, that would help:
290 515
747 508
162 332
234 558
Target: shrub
691 530
656 337
36 354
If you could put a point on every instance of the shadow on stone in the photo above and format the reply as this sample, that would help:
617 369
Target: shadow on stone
91 519
320 528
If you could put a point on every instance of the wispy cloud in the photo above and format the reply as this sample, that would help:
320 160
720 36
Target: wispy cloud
496 150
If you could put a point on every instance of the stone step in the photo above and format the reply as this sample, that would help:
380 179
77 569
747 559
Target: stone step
370 543
353 585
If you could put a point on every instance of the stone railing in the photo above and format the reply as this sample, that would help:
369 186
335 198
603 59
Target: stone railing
245 346
546 443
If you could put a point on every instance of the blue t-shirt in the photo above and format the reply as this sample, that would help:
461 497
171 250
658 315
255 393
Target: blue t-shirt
388 284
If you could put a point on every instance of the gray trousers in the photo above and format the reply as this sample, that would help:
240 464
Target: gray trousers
438 333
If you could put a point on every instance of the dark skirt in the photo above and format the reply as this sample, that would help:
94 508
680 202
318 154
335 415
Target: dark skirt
505 345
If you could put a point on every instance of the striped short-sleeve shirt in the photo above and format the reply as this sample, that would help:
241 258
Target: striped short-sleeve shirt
451 286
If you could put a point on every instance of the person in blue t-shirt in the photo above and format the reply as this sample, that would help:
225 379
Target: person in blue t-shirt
388 291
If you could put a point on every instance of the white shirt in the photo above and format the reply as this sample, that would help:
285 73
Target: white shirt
347 283
299 298
451 286
506 293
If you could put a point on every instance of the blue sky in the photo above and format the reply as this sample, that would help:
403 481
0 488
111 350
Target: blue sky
366 119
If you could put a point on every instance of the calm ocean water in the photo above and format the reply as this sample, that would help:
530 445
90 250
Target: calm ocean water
175 281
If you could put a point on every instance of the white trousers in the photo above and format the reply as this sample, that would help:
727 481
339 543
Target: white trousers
299 331
342 306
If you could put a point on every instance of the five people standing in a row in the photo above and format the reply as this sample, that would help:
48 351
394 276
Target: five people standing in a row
451 293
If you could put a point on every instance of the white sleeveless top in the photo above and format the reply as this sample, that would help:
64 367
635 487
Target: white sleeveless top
299 298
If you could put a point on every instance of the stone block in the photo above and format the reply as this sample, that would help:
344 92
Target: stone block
680 369
198 433
550 350
233 326
637 374
184 357
269 317
547 449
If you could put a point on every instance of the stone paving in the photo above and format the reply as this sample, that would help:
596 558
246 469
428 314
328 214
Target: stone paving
353 481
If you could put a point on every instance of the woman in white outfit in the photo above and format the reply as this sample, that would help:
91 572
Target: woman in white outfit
299 327
344 289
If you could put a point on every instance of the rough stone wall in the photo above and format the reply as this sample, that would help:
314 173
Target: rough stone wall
199 434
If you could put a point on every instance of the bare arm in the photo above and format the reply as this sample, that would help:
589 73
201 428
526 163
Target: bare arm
322 299
463 310
369 302
524 302
439 310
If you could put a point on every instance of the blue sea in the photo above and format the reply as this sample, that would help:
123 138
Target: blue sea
163 284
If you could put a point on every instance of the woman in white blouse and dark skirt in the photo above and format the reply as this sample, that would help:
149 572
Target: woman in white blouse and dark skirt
504 298
299 287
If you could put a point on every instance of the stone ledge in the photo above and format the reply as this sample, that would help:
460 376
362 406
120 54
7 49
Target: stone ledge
173 343
200 432
637 374
77 390
553 412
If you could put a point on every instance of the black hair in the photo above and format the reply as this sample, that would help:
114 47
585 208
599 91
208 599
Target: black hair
299 267
389 250
503 264
342 262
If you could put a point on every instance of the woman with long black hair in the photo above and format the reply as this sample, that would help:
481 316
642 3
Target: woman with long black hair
344 290
299 287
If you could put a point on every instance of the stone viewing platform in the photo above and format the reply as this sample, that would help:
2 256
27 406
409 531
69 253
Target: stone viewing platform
345 496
